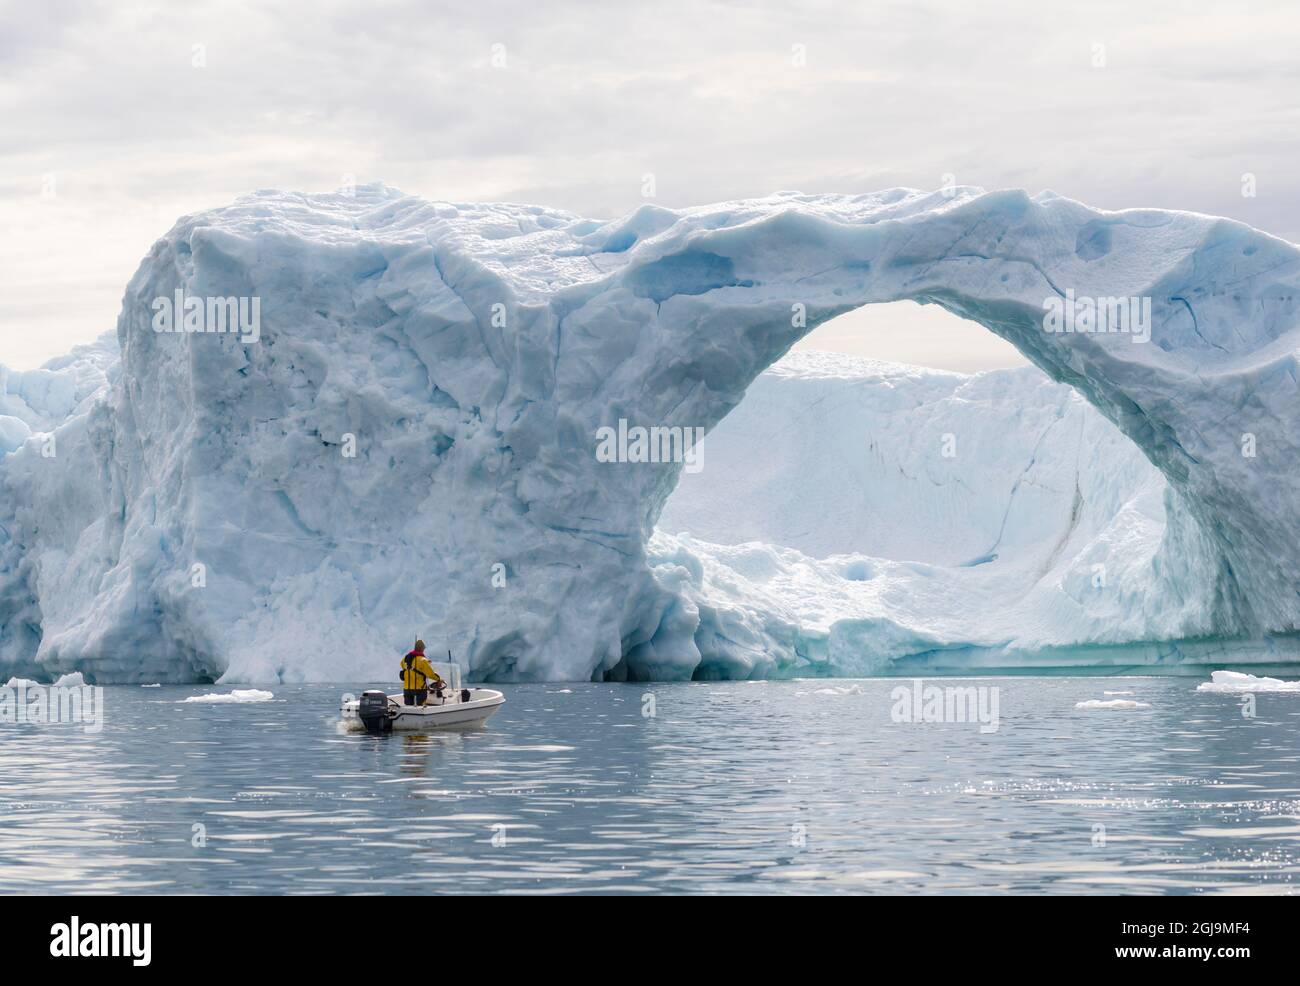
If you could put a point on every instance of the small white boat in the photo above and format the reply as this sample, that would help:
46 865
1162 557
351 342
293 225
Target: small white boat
376 712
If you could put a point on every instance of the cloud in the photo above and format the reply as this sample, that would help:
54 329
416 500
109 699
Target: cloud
143 111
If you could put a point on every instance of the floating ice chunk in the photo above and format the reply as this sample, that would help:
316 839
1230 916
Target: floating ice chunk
1234 682
238 695
155 685
1117 693
1115 703
834 690
22 683
73 680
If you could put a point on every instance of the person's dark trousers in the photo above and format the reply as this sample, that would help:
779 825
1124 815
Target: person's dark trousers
415 696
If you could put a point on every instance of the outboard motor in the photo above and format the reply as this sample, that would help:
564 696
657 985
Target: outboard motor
372 710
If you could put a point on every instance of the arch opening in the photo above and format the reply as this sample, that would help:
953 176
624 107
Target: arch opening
913 334
883 517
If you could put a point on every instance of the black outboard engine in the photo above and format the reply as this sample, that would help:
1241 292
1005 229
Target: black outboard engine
373 712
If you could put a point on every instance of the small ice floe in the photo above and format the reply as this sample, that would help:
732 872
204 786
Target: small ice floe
1117 693
238 695
154 685
1234 682
73 680
834 690
22 683
1114 703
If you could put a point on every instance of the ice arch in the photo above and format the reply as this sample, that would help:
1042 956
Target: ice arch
409 446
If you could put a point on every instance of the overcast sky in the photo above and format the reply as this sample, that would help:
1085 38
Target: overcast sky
119 117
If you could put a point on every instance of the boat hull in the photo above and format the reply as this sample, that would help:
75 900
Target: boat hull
482 705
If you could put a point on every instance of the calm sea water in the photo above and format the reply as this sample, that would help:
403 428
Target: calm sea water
790 787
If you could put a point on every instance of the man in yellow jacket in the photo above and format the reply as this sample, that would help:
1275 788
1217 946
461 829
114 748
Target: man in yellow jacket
417 672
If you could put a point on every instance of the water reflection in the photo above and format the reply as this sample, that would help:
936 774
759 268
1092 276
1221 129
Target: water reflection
777 787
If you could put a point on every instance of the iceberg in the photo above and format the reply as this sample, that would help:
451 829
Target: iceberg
405 443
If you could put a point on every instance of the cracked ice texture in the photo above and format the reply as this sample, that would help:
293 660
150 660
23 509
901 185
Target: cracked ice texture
474 350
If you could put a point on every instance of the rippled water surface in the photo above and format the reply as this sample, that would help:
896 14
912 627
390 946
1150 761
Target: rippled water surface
736 788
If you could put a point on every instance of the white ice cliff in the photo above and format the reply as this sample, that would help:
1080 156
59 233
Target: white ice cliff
408 445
